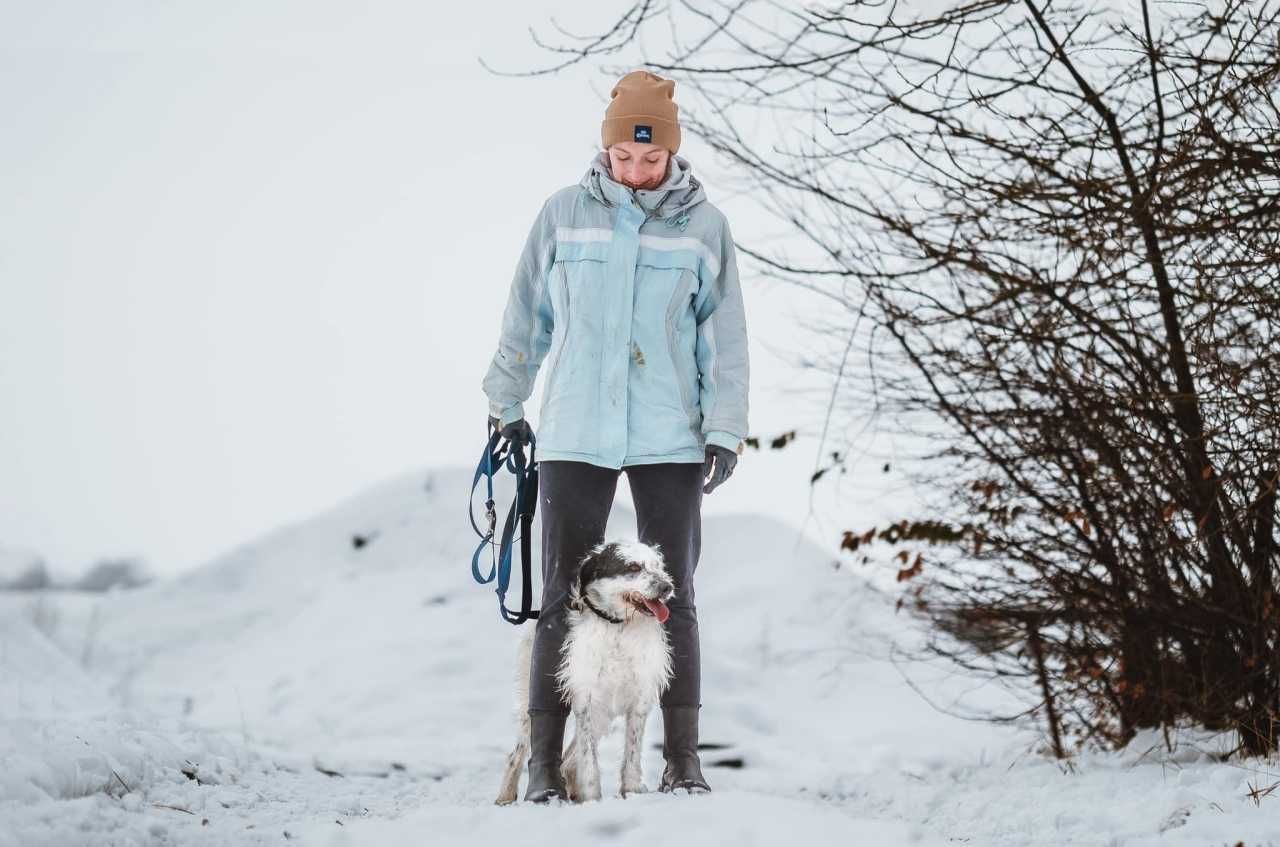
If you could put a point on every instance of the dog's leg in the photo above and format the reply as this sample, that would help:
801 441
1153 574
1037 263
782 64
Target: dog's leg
516 759
632 779
569 766
587 738
515 764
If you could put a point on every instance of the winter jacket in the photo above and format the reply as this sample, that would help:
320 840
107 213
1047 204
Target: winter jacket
632 297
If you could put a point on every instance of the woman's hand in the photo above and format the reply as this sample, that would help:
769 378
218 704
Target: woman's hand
724 461
517 432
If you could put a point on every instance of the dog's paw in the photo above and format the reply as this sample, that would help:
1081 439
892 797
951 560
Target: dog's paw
508 794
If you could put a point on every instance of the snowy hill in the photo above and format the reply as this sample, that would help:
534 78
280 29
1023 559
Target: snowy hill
21 569
343 680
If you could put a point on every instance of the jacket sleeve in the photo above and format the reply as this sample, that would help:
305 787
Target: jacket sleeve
721 348
527 323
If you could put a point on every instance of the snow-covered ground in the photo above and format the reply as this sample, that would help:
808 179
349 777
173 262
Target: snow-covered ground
301 689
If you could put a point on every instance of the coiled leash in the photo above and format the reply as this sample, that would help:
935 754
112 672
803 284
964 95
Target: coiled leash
522 509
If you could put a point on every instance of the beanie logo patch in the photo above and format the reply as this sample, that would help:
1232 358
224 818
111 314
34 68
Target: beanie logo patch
643 133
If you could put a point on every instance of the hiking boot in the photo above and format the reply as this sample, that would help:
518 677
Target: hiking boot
546 744
680 749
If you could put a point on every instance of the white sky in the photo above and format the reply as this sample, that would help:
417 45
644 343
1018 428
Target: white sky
253 257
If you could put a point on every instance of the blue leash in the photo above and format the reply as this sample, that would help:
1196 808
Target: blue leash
522 510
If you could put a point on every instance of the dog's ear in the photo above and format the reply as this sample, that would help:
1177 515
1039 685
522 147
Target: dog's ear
589 570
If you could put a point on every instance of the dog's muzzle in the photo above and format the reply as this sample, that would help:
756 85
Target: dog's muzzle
655 606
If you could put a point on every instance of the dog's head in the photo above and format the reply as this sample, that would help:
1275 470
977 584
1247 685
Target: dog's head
623 578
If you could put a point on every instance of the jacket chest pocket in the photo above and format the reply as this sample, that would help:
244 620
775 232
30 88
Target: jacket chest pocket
663 324
574 286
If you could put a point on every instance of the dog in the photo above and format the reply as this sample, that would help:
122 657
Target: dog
615 661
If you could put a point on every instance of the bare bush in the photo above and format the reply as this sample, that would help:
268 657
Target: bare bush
1053 232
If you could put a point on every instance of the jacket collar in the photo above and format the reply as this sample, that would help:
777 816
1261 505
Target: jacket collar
678 193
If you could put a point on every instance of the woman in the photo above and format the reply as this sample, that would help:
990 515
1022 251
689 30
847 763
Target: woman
628 288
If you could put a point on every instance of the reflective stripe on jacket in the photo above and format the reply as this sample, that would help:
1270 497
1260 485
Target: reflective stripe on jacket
632 299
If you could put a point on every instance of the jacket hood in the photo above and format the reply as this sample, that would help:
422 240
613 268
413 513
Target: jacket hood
679 193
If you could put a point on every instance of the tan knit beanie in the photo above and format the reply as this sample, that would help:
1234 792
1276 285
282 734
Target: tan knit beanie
641 109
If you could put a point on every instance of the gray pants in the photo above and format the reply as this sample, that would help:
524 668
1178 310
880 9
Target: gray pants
575 501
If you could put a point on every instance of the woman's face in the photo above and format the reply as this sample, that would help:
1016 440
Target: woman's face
638 165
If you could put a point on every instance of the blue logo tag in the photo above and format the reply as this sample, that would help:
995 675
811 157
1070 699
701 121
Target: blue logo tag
644 133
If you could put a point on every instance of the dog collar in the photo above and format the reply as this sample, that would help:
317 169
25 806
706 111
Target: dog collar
601 612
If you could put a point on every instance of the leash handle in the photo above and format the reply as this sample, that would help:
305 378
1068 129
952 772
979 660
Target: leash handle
496 456
524 507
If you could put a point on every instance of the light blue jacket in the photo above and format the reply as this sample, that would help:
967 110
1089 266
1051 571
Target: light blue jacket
632 297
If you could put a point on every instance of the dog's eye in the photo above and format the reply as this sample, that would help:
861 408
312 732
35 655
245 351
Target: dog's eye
636 567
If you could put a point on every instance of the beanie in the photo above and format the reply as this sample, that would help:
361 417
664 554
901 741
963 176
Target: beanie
641 109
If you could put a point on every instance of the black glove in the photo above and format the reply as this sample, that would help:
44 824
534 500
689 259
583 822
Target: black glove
725 460
517 432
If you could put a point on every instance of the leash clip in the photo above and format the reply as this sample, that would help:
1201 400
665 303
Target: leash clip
492 516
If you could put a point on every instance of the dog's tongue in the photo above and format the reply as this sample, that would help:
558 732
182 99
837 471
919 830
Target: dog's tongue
659 609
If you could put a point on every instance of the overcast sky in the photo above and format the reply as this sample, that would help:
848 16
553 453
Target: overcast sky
253 257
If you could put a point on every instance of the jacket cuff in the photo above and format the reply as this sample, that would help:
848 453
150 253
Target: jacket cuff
511 414
724 439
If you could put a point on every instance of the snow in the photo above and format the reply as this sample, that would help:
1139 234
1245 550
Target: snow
306 689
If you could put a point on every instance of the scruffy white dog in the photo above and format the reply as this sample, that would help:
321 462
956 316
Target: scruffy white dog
616 660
